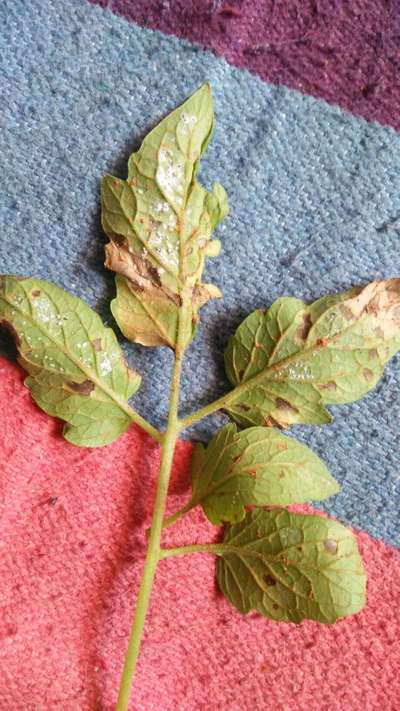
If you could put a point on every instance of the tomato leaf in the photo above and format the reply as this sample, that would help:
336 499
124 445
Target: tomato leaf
76 368
292 567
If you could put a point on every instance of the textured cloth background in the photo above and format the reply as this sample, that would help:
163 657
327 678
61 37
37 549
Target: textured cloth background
344 51
315 208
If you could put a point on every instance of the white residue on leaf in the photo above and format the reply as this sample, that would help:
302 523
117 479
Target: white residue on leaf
161 206
162 245
43 309
105 364
188 120
170 176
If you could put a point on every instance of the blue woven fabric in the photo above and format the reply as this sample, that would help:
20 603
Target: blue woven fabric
314 195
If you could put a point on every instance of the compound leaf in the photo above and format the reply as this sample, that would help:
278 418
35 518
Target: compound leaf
257 466
76 368
159 222
292 360
292 567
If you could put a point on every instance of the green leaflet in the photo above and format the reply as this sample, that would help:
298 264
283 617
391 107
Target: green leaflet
76 368
292 360
256 466
292 567
160 222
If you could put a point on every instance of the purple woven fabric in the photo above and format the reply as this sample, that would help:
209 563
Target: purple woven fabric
344 51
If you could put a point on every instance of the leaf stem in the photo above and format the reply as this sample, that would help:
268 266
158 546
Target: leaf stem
208 409
153 550
168 442
169 520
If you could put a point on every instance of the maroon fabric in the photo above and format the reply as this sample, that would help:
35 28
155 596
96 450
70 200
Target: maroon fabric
347 52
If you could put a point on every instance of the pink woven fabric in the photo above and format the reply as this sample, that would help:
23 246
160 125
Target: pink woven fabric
72 542
344 52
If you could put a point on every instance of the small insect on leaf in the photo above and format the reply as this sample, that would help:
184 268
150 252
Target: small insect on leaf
294 359
76 368
292 567
257 466
160 221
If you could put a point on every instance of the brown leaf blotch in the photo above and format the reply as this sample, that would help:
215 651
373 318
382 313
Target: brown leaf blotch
84 388
138 271
304 328
331 546
330 386
269 580
346 311
368 374
96 343
286 405
35 293
272 422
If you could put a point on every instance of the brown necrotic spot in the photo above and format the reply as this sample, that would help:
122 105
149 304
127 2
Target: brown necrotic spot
304 328
272 422
331 546
96 343
269 580
35 293
371 308
368 374
84 388
275 606
285 405
373 353
346 312
330 386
